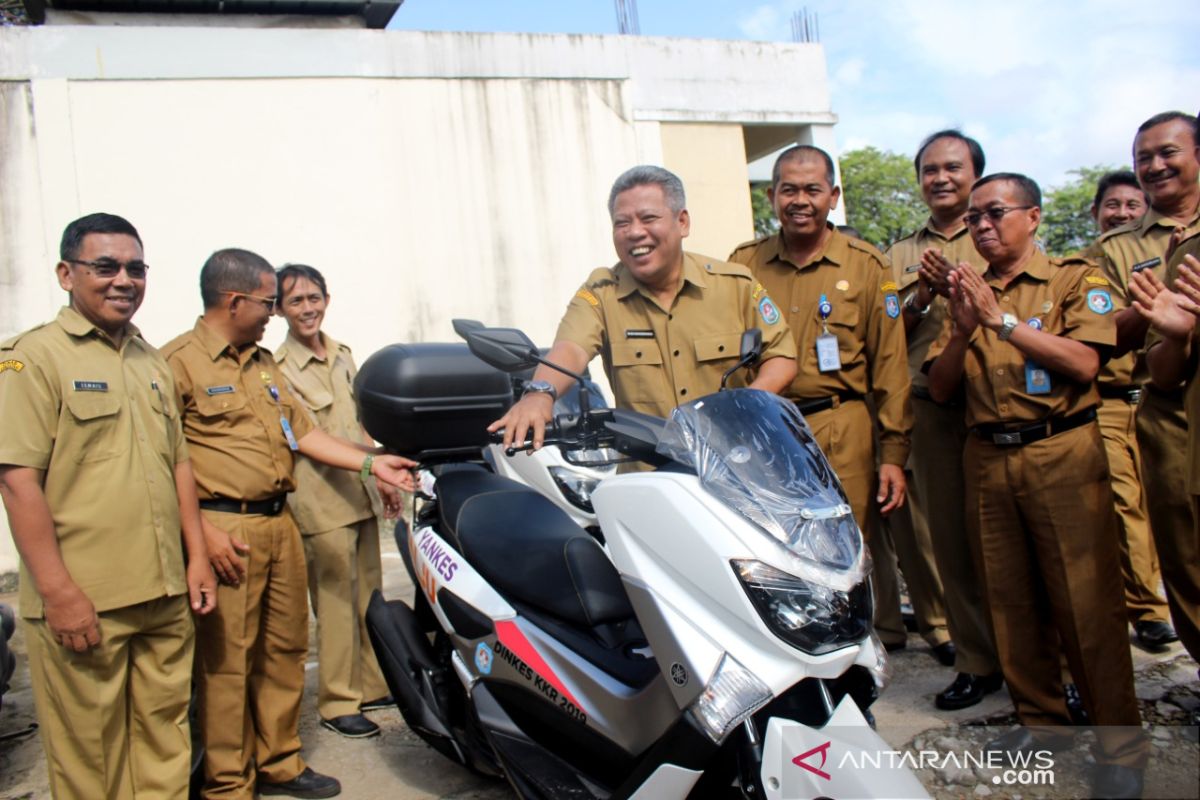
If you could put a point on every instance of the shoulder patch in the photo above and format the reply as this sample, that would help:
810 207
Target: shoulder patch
584 294
891 304
1099 301
768 310
11 364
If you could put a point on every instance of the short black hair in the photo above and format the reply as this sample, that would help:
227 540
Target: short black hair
74 234
231 270
290 273
1030 193
801 152
1164 117
1119 177
977 159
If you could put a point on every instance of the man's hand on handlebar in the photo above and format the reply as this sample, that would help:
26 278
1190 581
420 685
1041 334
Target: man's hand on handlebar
526 419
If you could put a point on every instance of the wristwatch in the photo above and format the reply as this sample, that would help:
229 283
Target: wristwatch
1008 324
911 305
540 387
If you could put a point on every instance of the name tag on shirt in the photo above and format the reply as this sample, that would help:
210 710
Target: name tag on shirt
1037 379
1147 264
828 357
634 334
91 386
215 390
287 433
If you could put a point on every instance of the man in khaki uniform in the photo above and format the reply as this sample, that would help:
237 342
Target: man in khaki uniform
1171 358
948 164
666 323
1026 340
1119 201
1166 160
243 428
95 476
334 510
843 309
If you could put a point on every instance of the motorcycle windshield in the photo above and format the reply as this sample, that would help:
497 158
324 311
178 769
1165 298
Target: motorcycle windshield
755 453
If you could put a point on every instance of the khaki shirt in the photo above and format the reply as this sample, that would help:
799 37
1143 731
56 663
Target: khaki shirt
1117 252
865 318
101 423
905 258
1068 297
326 497
1189 246
657 358
230 418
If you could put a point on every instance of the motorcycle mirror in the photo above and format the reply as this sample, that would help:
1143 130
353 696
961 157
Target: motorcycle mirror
749 353
506 349
464 326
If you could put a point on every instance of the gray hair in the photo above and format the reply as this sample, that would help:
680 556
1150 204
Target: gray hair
649 175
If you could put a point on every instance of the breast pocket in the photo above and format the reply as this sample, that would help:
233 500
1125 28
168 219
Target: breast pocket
638 372
98 432
718 346
214 407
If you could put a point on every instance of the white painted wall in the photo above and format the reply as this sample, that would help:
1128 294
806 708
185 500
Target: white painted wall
428 175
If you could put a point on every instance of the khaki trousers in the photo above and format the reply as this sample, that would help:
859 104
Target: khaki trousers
937 493
1139 561
1051 572
1162 432
906 546
114 720
844 435
343 570
250 660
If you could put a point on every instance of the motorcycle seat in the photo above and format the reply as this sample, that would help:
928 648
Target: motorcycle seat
531 551
456 487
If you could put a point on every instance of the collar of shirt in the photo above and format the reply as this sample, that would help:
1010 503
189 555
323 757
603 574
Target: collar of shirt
215 346
929 231
1152 218
79 326
627 284
836 250
301 355
1037 268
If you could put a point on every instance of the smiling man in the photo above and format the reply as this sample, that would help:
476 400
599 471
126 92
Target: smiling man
1025 341
1119 200
666 323
1166 160
96 479
844 311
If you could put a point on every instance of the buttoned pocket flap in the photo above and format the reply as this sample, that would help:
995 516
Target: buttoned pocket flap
214 405
845 315
721 345
631 354
317 399
93 405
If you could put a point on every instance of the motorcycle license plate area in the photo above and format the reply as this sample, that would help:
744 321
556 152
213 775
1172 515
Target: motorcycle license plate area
844 760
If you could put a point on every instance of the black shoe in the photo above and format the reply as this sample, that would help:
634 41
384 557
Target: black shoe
378 704
1022 740
1115 781
1075 708
306 784
1154 634
891 648
352 726
945 653
967 690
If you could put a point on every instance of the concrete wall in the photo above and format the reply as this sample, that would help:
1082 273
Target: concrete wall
428 175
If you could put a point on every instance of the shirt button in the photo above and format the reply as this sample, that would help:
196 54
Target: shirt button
720 348
795 309
676 352
638 354
670 316
1003 408
683 391
1004 299
1000 371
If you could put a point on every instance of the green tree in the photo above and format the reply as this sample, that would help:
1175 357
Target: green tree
765 222
883 200
1067 225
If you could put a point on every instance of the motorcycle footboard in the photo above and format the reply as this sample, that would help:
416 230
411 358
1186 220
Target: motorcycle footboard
404 654
844 758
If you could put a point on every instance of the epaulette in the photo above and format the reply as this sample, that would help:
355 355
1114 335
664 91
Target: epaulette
869 249
601 276
1076 260
752 243
1136 225
716 267
174 346
11 344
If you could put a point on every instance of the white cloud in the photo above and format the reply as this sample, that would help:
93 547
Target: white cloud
848 74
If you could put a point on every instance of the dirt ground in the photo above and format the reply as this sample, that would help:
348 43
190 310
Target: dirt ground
399 766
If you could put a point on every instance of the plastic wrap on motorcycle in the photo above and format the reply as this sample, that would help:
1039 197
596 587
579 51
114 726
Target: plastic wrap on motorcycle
754 451
844 758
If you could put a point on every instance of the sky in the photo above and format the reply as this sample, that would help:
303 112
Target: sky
1045 86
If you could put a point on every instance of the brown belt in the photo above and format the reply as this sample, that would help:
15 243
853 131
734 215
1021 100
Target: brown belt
1003 435
271 507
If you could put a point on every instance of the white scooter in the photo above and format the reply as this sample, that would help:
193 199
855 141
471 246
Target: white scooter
722 646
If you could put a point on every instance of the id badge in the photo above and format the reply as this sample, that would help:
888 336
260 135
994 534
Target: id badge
1037 379
287 433
828 358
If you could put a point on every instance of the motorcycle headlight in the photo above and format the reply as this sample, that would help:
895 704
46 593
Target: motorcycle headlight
731 695
814 618
575 487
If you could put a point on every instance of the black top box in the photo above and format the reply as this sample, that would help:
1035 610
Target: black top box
418 398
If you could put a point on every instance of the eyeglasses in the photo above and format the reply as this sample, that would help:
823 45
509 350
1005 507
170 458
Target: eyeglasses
110 268
995 214
268 302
